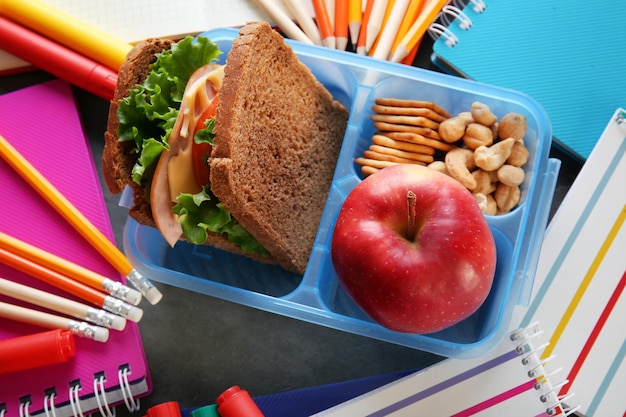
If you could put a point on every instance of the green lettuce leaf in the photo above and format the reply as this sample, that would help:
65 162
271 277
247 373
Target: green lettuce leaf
201 213
147 116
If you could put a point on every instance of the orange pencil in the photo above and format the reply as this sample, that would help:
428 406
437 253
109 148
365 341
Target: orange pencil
80 290
413 10
418 28
323 23
341 24
361 48
355 17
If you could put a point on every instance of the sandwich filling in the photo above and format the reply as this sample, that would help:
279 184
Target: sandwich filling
170 117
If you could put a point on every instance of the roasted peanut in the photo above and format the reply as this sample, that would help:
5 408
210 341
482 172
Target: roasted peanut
519 154
459 164
506 197
481 113
512 125
477 135
493 157
453 129
510 175
485 182
438 166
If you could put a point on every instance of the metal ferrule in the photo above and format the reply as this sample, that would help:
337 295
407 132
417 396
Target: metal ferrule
116 306
82 329
142 284
100 317
116 288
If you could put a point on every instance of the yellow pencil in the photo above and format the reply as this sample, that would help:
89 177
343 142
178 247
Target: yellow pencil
382 48
355 18
68 31
417 30
410 16
77 220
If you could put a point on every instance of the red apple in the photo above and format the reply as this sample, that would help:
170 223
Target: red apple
413 249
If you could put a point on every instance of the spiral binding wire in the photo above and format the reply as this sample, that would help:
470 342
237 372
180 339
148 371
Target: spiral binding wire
450 13
131 403
548 392
101 396
106 410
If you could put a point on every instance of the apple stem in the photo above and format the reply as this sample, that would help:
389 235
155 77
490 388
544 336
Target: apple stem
412 215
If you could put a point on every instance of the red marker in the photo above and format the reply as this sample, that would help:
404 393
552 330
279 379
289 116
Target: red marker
36 350
235 402
57 59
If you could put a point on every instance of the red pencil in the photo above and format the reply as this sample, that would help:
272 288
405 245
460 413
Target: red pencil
57 59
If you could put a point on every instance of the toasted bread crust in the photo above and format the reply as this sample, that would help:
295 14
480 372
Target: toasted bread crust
276 144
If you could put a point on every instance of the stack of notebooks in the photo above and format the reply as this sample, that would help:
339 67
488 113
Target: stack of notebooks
42 123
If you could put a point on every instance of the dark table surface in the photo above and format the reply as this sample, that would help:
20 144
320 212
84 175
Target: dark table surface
197 345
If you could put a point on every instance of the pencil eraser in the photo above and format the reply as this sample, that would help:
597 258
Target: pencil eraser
133 297
100 334
118 323
153 295
134 314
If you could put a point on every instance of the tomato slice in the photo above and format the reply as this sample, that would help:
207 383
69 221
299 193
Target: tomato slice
201 151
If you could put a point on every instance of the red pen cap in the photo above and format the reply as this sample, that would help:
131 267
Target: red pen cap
36 350
235 402
168 409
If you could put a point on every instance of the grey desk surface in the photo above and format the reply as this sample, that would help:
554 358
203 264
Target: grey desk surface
197 346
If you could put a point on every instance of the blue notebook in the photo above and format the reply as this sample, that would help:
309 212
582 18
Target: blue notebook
568 55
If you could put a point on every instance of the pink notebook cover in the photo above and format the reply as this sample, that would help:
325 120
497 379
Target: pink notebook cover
42 123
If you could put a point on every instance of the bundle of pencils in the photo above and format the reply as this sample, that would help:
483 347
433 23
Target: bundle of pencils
105 303
383 29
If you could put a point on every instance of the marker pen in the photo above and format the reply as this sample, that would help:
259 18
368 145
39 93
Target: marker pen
68 31
36 350
57 59
235 402
167 409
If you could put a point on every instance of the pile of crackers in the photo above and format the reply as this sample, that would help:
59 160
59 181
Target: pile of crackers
406 133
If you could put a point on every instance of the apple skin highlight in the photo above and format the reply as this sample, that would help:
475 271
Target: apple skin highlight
422 285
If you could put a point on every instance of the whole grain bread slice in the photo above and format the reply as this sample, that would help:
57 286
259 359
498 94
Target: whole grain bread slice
278 134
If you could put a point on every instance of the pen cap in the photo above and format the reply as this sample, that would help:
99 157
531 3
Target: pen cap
206 411
36 350
168 409
235 402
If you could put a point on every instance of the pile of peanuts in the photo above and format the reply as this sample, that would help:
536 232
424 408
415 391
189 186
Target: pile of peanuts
483 153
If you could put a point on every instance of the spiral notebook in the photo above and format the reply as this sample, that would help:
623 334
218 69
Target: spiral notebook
568 55
43 124
568 356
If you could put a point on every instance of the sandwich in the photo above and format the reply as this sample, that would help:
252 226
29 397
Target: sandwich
238 156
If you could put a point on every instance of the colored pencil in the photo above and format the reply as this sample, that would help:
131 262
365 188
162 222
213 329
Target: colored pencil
341 24
389 30
283 21
53 321
355 18
418 28
304 20
77 289
69 269
77 220
361 48
324 23
375 22
61 305
412 11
